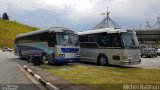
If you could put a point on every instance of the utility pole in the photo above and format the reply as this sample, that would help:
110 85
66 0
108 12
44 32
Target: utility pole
158 21
106 21
107 17
148 25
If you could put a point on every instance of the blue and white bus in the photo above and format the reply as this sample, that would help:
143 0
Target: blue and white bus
56 45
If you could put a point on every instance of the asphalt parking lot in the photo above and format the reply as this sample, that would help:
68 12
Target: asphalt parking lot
145 63
15 76
149 63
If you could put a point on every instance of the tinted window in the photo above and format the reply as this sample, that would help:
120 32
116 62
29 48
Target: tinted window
116 41
89 45
52 40
89 41
102 39
88 38
41 37
67 39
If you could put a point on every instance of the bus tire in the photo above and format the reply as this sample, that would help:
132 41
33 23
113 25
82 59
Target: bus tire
20 55
151 56
44 59
102 60
155 55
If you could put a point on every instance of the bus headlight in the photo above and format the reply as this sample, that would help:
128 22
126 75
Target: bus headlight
61 55
77 55
125 56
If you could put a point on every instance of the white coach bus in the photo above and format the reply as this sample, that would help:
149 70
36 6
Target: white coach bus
54 45
110 46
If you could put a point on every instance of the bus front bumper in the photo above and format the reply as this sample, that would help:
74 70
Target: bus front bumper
66 60
131 63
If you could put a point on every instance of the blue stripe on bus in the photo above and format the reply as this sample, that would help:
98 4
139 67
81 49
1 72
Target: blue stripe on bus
42 48
69 50
35 47
66 60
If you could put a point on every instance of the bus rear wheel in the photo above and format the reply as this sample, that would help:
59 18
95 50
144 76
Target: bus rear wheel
44 59
102 60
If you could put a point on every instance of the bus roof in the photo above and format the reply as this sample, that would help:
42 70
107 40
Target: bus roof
108 30
50 29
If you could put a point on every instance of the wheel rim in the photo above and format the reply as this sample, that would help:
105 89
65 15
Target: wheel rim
102 61
44 59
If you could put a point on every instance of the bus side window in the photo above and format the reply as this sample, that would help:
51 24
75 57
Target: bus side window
51 40
116 40
104 40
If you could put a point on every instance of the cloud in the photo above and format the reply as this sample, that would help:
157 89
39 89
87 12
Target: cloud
3 6
75 10
80 12
66 8
134 9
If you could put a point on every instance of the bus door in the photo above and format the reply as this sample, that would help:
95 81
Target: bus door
116 49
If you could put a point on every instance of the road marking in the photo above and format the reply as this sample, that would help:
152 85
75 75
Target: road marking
40 79
50 86
37 76
25 66
29 70
41 87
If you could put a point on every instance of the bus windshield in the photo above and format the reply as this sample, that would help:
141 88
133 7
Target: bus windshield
129 40
67 39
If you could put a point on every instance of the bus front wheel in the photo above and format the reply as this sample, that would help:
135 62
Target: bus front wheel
20 55
44 59
102 60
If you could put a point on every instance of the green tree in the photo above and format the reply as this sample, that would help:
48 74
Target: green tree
5 16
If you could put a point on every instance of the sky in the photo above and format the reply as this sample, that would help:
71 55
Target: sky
81 15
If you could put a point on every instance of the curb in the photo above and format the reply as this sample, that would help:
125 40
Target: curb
48 85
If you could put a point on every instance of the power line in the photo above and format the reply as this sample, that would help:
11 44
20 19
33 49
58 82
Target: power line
157 23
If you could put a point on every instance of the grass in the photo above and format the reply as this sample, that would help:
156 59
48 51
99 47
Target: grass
10 29
103 78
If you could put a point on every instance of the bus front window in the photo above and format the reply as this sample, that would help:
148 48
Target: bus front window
129 40
74 40
67 39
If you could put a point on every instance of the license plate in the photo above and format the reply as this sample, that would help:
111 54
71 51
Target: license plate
70 60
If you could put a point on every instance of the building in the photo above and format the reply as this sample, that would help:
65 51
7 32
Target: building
148 37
